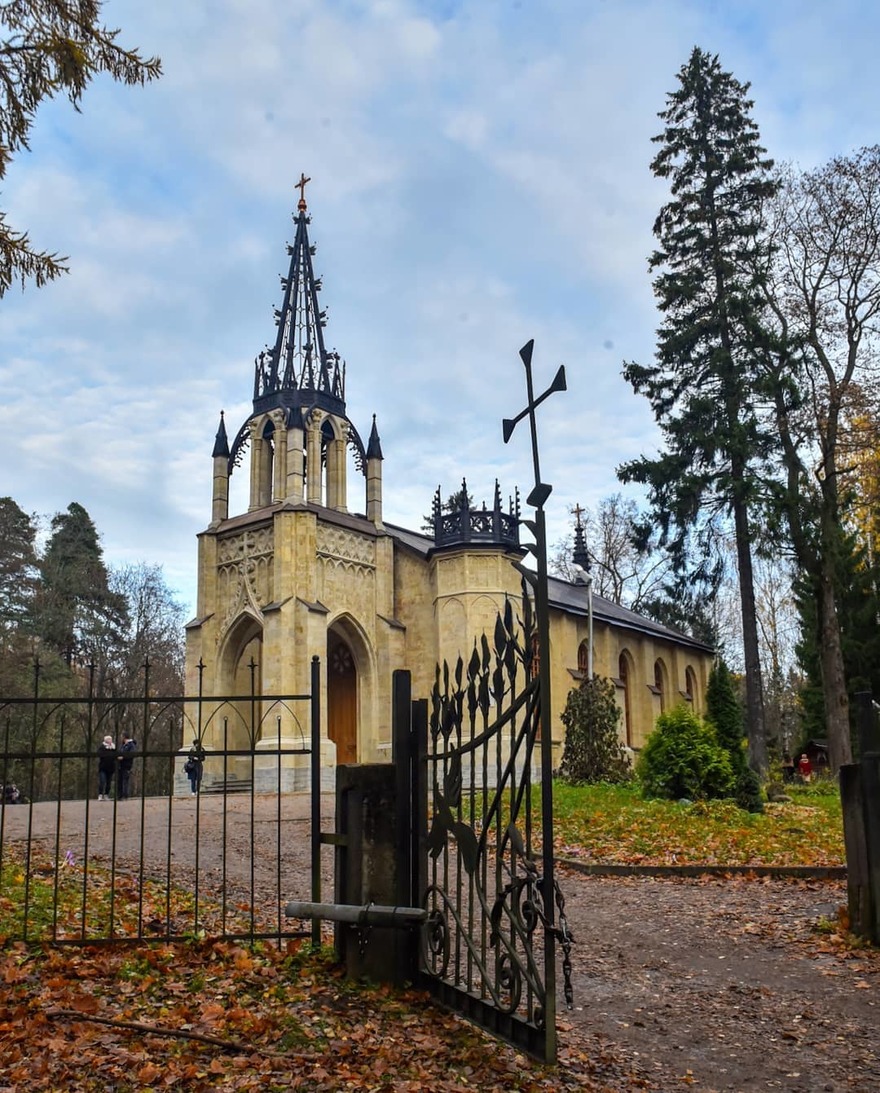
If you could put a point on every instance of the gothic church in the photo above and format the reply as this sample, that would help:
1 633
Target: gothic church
298 575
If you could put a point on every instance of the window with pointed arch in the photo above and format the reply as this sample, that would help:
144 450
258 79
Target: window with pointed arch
583 658
690 682
661 684
267 464
625 675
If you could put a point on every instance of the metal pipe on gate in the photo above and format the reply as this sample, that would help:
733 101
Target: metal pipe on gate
371 914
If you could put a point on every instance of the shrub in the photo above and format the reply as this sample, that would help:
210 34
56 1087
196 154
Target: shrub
593 752
724 713
682 758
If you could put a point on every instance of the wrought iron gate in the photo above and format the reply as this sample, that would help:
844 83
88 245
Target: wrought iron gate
484 865
485 859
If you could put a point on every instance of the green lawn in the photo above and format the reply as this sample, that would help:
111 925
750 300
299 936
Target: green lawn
613 824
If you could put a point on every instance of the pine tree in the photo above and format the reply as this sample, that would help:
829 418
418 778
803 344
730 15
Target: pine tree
49 47
79 614
708 287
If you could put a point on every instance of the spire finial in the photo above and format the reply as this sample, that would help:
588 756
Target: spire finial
581 554
301 186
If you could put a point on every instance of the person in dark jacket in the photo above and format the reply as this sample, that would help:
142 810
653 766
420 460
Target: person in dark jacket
193 766
126 761
106 767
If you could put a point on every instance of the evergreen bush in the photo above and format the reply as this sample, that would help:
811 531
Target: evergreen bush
593 751
724 713
682 758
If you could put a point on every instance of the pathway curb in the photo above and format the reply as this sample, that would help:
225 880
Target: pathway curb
794 872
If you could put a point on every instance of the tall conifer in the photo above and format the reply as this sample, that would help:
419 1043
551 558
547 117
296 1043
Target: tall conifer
701 386
80 614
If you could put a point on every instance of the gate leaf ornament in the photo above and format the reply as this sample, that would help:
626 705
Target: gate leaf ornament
490 882
486 891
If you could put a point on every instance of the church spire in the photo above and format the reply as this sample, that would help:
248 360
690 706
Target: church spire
298 370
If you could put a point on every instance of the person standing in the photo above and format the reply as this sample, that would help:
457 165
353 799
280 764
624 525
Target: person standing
106 767
805 768
193 766
126 762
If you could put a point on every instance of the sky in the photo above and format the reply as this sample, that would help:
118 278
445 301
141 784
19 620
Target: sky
480 177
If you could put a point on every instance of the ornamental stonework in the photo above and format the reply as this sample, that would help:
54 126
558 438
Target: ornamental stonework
245 573
252 543
337 545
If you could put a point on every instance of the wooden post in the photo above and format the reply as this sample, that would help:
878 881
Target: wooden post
857 878
869 747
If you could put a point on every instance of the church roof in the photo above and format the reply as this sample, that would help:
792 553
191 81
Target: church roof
573 599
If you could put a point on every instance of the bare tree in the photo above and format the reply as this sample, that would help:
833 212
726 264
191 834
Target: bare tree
825 293
627 566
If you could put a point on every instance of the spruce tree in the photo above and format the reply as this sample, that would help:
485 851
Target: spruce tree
709 265
18 585
724 713
18 570
79 615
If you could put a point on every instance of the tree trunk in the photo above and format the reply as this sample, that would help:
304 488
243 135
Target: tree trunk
754 685
833 674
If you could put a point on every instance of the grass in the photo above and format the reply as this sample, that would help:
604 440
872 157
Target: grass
614 824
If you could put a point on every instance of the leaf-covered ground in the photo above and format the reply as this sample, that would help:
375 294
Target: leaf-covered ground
207 1015
217 1016
613 824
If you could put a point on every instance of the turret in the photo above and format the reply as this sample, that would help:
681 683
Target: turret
220 455
299 432
374 477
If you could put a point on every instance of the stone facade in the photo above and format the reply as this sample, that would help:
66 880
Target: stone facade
299 576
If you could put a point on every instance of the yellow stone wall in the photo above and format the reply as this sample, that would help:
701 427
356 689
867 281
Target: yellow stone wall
275 582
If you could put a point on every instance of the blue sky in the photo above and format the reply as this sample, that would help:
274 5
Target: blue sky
480 177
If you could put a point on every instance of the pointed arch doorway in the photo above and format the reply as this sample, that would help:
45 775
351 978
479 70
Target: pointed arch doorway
342 698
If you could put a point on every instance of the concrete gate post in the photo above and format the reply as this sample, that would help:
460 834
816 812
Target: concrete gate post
367 873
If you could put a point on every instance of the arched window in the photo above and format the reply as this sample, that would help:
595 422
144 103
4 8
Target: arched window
690 680
265 454
661 685
624 673
583 658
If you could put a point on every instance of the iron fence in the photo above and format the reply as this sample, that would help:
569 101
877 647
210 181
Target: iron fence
166 860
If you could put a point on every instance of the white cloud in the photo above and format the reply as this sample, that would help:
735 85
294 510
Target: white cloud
480 177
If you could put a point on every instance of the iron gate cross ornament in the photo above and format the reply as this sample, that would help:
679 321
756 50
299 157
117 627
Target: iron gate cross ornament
537 498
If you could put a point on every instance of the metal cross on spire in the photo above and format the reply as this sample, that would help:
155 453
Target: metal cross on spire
301 186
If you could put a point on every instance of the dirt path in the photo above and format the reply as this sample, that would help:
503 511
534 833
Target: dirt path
725 985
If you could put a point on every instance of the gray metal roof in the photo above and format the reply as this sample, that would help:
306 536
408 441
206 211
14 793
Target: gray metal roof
572 598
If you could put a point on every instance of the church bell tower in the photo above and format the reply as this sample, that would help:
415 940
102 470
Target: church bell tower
296 574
